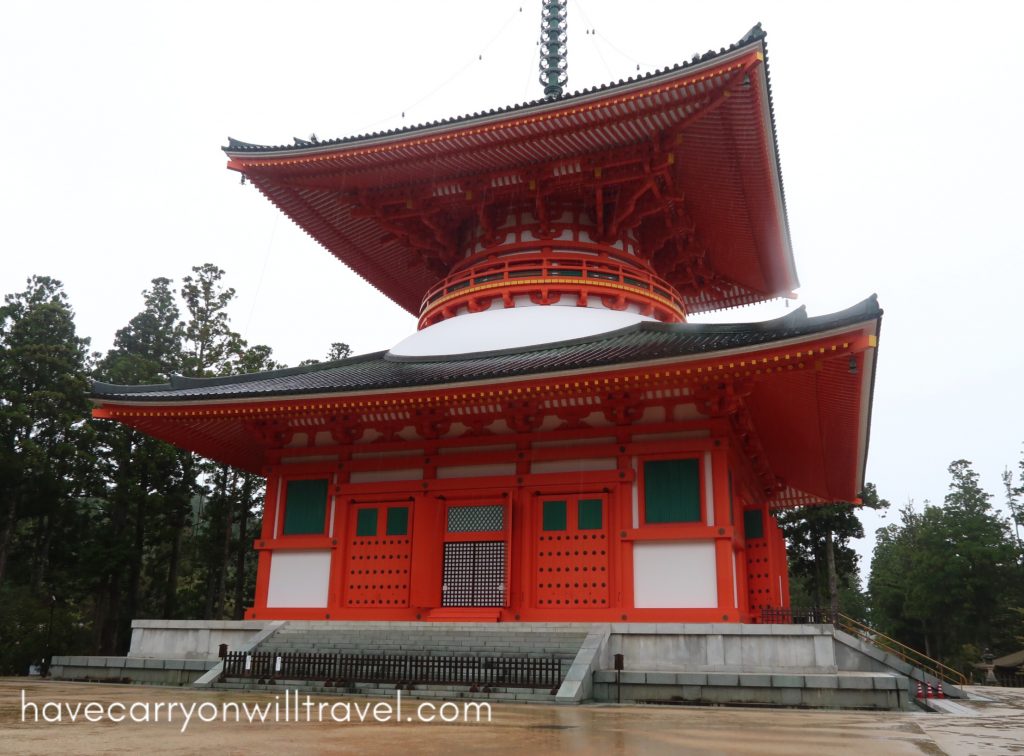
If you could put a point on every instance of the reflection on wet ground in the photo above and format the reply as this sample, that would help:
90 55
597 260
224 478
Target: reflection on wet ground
995 726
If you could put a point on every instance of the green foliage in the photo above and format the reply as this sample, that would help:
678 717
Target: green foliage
29 632
946 579
99 522
824 567
45 458
210 346
338 351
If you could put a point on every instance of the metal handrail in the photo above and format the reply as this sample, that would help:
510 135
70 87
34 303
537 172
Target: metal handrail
904 652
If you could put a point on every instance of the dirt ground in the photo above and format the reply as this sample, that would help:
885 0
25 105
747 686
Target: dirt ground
995 726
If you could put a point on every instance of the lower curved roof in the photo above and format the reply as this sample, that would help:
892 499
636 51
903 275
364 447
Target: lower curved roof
810 403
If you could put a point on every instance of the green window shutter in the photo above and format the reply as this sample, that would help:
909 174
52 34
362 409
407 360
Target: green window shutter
753 524
554 517
589 515
305 507
671 491
398 521
366 522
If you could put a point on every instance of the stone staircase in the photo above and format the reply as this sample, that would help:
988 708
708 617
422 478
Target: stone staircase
448 639
463 639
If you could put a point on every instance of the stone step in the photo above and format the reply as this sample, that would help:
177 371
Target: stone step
432 641
369 690
349 640
544 653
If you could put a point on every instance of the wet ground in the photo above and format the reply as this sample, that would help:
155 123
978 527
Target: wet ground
995 726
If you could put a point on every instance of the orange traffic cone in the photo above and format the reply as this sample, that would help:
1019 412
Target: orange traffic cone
920 691
931 693
941 693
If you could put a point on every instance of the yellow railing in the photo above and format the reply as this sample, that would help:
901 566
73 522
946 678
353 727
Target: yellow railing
911 656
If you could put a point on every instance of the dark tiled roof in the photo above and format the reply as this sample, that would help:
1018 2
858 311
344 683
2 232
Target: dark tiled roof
382 370
756 34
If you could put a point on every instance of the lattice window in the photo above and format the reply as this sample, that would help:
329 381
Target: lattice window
474 573
476 519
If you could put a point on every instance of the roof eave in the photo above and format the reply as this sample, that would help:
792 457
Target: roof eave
532 108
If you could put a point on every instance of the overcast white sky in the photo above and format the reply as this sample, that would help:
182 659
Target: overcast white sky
899 129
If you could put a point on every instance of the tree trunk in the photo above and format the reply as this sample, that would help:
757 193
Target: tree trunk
111 622
181 509
225 554
5 536
833 578
174 561
243 548
135 568
42 553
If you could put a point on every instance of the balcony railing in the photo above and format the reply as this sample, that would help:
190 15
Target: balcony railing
561 271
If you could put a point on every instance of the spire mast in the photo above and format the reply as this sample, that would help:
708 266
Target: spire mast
553 61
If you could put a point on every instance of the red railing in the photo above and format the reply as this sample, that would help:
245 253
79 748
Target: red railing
565 271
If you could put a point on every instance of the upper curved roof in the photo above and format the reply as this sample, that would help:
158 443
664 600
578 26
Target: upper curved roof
711 118
299 146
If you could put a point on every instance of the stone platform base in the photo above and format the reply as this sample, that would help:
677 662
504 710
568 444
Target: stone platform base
190 639
728 663
121 669
843 690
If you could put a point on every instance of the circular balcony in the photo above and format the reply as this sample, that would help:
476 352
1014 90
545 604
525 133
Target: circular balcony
593 280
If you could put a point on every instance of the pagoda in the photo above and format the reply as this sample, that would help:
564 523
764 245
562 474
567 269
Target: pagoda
556 442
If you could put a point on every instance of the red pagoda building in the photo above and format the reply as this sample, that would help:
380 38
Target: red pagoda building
556 442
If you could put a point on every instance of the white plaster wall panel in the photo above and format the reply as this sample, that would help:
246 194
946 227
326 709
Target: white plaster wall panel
388 454
574 465
652 415
476 471
299 579
573 442
476 449
307 460
673 436
674 575
686 412
386 476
